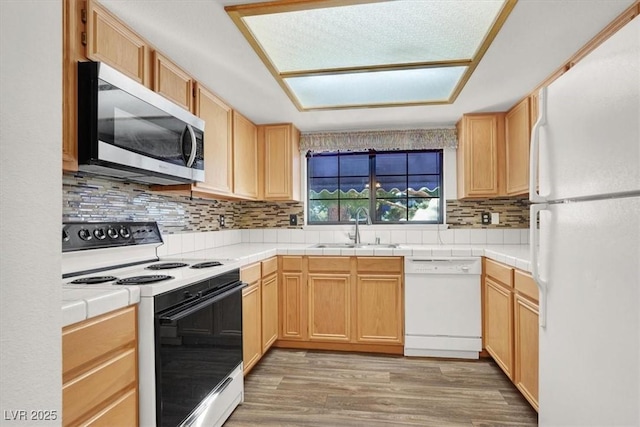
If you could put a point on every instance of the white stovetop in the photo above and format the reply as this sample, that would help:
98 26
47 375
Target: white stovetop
80 302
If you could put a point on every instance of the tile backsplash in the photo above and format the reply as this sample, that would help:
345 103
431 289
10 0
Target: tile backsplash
91 198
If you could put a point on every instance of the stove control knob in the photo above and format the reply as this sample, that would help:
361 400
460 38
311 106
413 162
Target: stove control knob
99 234
125 233
112 233
84 234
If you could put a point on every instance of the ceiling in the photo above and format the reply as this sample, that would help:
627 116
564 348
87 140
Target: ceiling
198 35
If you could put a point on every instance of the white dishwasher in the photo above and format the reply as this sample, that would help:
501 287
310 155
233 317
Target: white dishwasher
442 307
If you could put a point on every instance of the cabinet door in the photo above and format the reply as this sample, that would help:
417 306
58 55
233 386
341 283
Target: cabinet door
110 41
217 143
499 324
245 157
251 334
293 307
526 349
329 307
379 308
72 51
281 162
481 146
269 311
517 132
172 82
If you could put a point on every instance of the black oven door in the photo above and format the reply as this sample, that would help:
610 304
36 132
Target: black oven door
197 346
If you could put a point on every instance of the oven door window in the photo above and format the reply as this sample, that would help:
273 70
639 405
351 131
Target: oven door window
195 354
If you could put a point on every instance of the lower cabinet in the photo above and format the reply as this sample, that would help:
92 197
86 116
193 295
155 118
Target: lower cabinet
329 307
269 303
379 308
99 370
510 325
526 328
251 330
342 303
499 324
259 310
293 297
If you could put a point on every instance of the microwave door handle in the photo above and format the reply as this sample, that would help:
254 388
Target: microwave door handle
194 145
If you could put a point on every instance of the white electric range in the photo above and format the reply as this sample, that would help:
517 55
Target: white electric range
189 318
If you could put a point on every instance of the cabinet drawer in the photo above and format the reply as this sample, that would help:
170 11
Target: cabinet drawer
291 263
525 284
98 386
250 274
122 412
115 330
269 266
500 272
379 264
329 264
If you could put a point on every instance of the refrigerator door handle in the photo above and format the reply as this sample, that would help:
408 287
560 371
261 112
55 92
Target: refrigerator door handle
534 149
534 243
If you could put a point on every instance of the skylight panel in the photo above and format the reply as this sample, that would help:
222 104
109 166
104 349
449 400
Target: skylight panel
373 34
361 53
413 86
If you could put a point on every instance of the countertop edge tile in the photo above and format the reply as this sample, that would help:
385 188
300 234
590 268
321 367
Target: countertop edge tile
100 301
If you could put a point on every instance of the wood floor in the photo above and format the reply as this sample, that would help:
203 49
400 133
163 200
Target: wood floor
308 388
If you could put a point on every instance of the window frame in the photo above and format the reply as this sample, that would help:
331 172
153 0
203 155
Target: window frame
372 194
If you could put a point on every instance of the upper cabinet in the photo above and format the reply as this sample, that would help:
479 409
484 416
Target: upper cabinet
517 132
245 157
172 82
480 155
279 152
218 149
110 41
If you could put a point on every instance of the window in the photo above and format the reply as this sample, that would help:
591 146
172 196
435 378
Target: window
408 186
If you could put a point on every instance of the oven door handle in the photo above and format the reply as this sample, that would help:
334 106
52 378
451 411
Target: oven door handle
182 312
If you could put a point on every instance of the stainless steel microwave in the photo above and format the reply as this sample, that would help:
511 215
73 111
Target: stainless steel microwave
127 131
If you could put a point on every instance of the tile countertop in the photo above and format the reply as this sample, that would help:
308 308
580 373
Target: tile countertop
80 303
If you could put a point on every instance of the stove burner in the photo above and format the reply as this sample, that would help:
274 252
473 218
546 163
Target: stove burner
167 265
143 280
94 280
206 264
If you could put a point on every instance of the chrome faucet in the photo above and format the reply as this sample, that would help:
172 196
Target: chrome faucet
356 235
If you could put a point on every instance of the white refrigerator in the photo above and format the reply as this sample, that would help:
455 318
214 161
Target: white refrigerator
585 238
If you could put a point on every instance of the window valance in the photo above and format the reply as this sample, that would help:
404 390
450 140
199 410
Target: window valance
383 140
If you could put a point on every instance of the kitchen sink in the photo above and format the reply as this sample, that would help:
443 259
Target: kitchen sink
357 246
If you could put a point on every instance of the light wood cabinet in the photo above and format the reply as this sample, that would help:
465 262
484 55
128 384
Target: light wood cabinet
99 370
293 299
251 332
269 303
218 149
280 157
526 338
517 136
510 325
329 307
73 30
379 309
245 157
379 300
499 324
342 303
480 155
110 41
172 82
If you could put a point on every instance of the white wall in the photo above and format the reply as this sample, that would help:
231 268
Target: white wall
30 208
